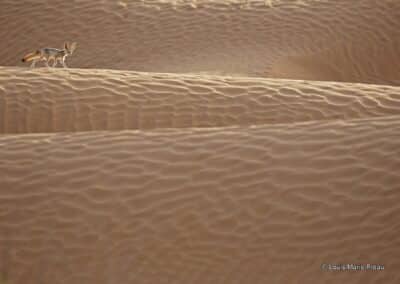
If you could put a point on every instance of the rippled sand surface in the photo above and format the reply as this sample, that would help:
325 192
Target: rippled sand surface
200 142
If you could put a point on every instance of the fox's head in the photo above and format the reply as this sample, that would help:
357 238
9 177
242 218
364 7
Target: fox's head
69 48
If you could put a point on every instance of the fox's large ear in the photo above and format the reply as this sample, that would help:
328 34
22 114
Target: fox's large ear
66 45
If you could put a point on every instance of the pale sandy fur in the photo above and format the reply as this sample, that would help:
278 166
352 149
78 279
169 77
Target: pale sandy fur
198 153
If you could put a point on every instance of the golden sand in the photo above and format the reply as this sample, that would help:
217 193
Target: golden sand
200 142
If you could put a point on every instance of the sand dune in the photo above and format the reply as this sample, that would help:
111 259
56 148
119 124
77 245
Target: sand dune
200 142
44 100
237 205
260 38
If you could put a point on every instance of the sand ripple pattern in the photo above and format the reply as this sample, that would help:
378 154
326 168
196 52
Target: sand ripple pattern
82 100
237 141
237 205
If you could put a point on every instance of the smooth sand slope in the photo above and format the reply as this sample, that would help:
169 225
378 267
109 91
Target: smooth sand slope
142 164
223 205
354 41
49 100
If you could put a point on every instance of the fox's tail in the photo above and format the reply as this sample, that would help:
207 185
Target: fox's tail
31 56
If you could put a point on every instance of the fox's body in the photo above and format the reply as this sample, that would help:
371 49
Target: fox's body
47 54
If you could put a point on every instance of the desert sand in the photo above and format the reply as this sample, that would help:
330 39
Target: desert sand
200 142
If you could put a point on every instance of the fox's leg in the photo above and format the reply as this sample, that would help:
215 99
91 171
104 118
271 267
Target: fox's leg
33 63
54 61
42 58
63 62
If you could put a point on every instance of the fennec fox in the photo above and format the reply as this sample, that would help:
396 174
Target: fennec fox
46 54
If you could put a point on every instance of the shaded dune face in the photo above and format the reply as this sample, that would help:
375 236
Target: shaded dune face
82 100
357 41
236 205
345 63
